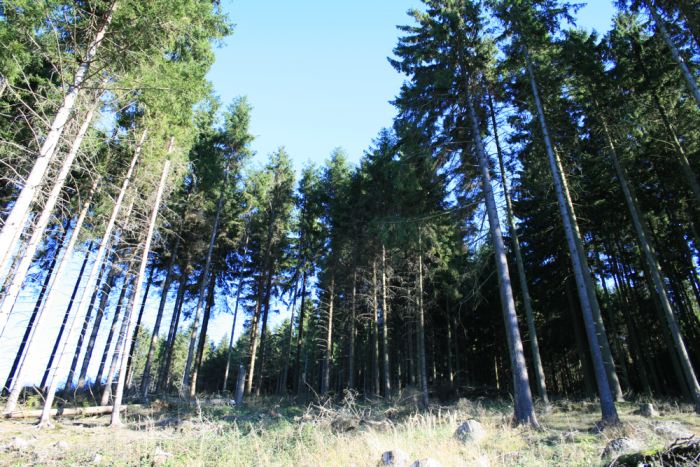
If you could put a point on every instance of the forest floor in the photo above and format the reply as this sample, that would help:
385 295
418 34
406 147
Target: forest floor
277 432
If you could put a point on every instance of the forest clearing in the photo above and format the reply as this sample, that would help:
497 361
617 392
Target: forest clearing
503 269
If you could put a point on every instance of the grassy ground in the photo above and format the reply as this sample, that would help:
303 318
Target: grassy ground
275 432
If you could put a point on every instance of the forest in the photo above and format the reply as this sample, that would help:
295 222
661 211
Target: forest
526 229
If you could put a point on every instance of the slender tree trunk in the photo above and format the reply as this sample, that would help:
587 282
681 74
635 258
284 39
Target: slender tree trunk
16 220
687 75
137 329
264 333
40 226
202 337
115 419
328 347
384 330
164 372
52 295
119 347
353 314
375 331
422 371
607 402
83 331
524 409
522 277
113 329
202 289
146 377
646 245
608 360
104 297
300 335
45 421
233 326
20 355
288 346
254 339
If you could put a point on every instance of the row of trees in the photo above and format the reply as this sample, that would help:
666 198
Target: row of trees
533 168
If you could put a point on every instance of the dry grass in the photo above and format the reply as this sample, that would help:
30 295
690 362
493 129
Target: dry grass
274 433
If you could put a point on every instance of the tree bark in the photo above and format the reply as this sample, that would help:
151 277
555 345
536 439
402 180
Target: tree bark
115 420
40 226
300 335
687 75
328 348
146 377
649 253
235 316
93 274
20 355
282 387
134 338
113 329
540 380
422 371
384 330
353 313
524 409
607 402
202 337
164 371
16 220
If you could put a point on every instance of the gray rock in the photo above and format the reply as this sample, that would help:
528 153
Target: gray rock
471 430
377 425
427 462
671 430
97 460
344 424
395 458
647 410
619 446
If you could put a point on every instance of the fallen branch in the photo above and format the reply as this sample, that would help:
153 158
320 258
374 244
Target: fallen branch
96 410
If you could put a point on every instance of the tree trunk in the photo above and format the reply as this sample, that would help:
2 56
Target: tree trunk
607 402
52 294
520 265
202 337
16 220
134 338
164 371
263 332
115 420
328 347
146 377
353 313
202 289
40 226
649 253
93 273
687 75
119 347
113 328
102 306
300 335
375 331
608 360
422 371
233 330
384 330
524 410
288 346
21 355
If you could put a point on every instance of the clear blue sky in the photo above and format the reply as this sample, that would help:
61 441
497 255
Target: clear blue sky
316 71
317 76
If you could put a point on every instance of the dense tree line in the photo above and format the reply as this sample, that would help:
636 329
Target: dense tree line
527 226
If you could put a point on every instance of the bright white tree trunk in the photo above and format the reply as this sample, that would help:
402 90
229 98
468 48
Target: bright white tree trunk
119 394
40 226
82 303
14 224
52 293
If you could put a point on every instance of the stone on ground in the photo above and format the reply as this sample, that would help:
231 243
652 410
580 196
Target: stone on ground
471 430
395 458
648 410
427 462
619 446
671 430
